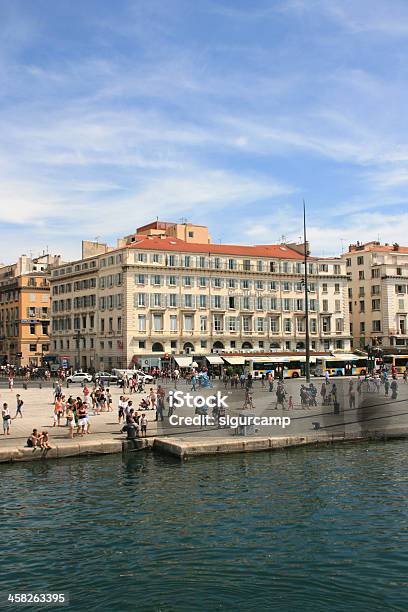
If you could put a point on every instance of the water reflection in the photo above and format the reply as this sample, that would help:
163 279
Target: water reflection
306 528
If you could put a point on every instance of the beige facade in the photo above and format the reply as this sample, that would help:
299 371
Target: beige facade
378 303
158 294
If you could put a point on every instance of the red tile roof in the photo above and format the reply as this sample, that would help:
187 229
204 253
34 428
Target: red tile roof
371 246
156 243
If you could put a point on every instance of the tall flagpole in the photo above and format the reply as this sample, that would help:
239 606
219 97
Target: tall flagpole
307 369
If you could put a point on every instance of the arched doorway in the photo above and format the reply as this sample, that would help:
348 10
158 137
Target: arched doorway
188 348
218 345
247 345
274 345
157 347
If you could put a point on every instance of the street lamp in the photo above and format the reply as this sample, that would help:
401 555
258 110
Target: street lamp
307 337
78 337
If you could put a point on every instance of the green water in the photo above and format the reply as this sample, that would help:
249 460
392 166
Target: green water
310 529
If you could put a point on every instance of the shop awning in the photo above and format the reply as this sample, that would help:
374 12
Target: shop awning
183 362
234 360
214 359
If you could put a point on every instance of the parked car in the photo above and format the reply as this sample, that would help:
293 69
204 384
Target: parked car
106 378
147 378
81 377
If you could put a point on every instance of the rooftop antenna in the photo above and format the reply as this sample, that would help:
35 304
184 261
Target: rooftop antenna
96 239
342 244
183 220
283 239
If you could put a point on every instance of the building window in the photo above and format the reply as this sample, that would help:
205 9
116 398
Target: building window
361 274
232 324
217 323
157 322
32 328
142 344
247 324
173 323
172 300
33 348
260 324
188 323
142 323
376 326
360 260
287 325
203 324
326 325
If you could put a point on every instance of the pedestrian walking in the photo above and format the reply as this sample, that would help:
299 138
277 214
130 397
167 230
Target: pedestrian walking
19 406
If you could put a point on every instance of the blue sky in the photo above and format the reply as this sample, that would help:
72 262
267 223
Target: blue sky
226 113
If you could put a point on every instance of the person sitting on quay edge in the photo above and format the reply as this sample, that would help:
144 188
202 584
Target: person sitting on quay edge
44 441
131 428
32 441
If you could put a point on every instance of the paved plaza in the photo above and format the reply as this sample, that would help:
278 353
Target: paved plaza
373 412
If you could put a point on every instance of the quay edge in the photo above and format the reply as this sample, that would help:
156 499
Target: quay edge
183 448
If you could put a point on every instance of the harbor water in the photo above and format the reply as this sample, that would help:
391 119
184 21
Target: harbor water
311 528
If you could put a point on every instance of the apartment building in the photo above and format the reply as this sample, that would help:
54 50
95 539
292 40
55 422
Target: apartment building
377 291
156 294
25 310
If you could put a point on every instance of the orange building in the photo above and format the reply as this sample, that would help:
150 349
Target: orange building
25 311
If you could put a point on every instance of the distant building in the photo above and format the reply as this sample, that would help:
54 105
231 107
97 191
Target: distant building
378 280
168 290
25 310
